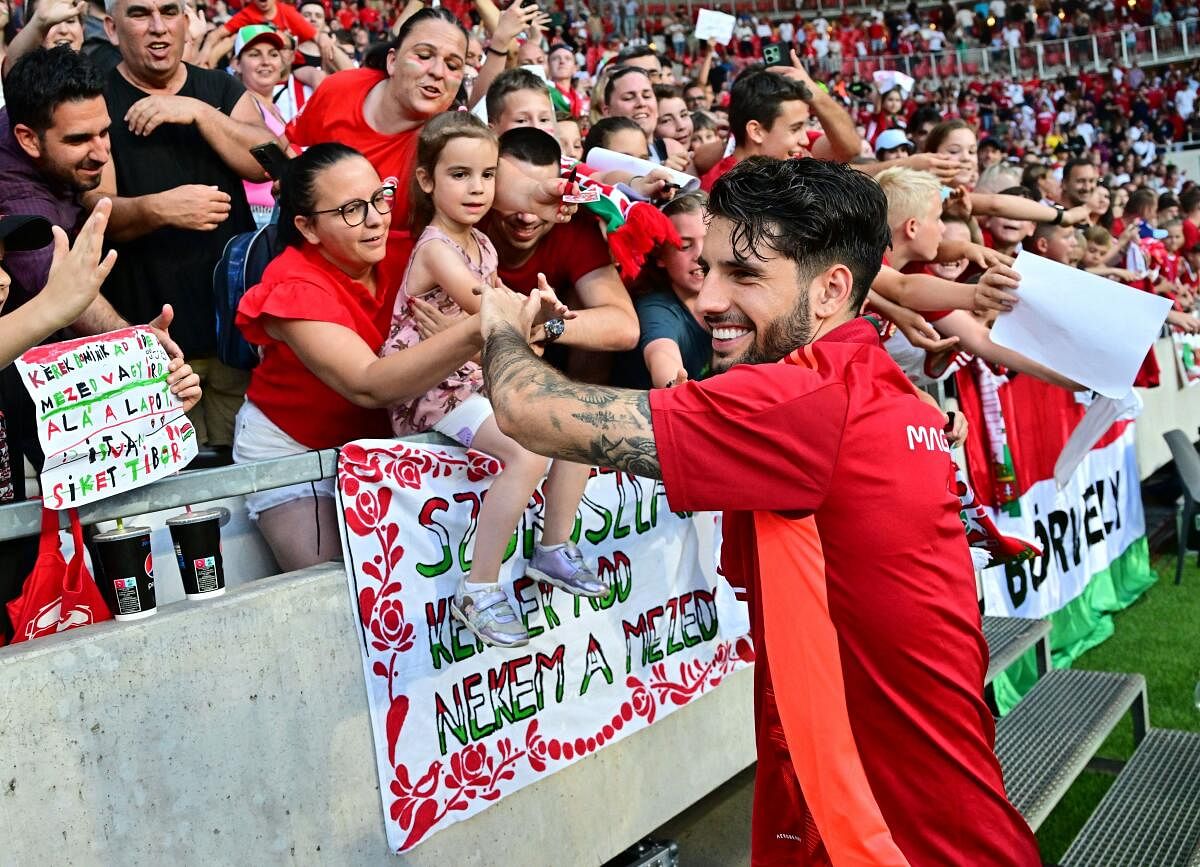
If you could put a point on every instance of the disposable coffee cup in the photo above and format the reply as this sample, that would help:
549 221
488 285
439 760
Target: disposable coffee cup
197 538
128 584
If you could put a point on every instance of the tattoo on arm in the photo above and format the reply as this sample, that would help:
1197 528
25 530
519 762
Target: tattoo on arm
588 424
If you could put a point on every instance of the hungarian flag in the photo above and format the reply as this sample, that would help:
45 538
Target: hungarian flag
633 229
1091 531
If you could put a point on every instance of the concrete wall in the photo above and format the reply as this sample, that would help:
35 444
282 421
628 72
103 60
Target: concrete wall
235 731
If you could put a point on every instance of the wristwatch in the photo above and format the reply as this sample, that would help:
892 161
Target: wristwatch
554 329
1058 215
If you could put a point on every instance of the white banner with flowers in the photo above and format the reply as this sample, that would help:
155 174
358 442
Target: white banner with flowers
459 725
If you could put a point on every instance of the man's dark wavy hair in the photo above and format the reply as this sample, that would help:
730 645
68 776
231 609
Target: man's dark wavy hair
43 80
814 212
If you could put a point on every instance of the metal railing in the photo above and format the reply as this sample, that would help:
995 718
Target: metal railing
1096 52
192 486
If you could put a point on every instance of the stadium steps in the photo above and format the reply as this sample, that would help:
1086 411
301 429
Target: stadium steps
1151 815
1046 741
1009 637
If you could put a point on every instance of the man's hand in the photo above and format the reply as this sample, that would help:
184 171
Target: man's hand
77 273
920 333
184 383
150 112
500 307
995 289
160 325
193 206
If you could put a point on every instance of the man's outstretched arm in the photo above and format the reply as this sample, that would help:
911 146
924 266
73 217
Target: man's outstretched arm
548 413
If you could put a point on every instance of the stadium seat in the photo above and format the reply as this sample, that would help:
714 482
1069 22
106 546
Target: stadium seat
1187 465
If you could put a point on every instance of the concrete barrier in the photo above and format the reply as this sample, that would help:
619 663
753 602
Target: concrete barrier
235 731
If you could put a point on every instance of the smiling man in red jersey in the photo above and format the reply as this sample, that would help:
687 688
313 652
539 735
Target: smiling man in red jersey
874 743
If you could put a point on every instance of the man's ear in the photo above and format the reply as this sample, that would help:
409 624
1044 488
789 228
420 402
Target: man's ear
829 293
28 140
110 29
755 132
910 228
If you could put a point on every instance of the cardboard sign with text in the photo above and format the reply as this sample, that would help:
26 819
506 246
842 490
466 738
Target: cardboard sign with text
106 419
458 725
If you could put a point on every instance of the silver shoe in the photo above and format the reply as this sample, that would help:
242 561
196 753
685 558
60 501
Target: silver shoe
489 617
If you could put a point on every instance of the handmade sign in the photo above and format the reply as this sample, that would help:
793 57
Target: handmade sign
107 420
459 725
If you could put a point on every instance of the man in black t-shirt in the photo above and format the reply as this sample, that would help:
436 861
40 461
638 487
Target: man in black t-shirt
180 149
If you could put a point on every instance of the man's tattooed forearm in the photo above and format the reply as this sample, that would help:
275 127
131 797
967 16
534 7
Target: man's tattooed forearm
583 423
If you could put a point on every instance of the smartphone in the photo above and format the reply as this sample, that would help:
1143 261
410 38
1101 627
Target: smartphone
774 55
271 158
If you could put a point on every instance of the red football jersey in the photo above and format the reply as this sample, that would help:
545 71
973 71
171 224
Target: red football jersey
874 743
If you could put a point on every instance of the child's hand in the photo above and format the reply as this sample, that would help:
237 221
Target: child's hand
551 306
994 290
1184 321
919 332
430 320
184 383
986 257
77 272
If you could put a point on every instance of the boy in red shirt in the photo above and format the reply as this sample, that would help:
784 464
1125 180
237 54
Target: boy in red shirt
869 659
768 116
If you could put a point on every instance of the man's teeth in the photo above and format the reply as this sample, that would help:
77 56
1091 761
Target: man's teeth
729 333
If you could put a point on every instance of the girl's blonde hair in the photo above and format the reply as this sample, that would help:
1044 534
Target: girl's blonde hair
436 133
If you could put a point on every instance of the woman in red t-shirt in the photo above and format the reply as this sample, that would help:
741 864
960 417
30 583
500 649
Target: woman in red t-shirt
319 318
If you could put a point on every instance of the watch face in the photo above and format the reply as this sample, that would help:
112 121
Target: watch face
554 328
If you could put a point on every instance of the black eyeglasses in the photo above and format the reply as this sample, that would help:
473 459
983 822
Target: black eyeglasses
354 213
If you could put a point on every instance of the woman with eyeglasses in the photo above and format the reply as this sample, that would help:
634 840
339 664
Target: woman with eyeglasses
319 318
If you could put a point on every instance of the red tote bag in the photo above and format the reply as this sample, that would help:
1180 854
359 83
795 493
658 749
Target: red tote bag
57 595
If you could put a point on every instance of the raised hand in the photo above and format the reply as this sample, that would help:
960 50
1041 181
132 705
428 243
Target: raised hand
52 12
995 289
513 21
77 271
920 333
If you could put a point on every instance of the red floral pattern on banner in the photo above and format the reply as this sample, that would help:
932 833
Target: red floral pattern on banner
421 798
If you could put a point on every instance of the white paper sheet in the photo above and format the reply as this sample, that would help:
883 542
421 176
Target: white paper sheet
1098 419
711 24
604 160
1091 329
890 79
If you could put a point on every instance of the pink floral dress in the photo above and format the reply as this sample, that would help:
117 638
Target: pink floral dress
420 415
